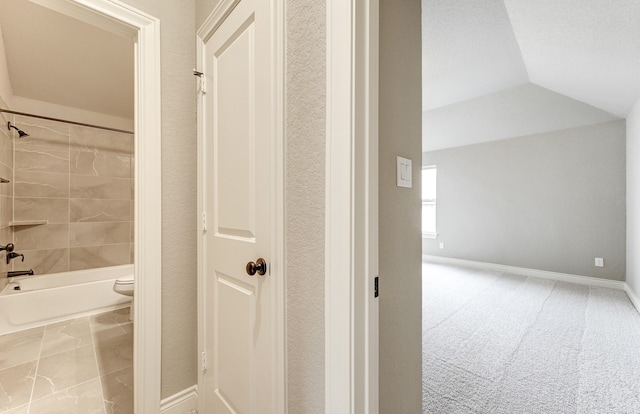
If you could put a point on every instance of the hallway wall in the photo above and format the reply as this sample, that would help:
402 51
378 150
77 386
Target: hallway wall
179 181
633 200
551 201
400 134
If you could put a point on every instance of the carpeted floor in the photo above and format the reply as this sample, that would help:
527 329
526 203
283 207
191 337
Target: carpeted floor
503 343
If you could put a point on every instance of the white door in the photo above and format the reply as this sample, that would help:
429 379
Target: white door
239 191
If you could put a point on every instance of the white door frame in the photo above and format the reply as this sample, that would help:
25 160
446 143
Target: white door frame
123 19
351 241
277 262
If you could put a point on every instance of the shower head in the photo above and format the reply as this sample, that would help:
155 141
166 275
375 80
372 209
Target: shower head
21 133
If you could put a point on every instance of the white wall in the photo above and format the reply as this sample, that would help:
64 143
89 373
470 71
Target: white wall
551 201
32 106
6 92
633 200
179 192
399 213
304 204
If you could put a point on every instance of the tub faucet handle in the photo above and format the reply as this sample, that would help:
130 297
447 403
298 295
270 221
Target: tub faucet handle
9 247
13 255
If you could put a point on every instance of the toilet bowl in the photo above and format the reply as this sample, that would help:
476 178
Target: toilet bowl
124 285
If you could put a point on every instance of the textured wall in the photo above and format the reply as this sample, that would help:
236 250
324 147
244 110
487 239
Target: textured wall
305 173
203 9
179 181
551 201
633 199
400 258
6 92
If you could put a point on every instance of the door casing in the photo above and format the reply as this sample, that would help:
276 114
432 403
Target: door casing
144 29
351 239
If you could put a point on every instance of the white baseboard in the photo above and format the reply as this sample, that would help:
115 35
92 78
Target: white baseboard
543 274
633 297
184 402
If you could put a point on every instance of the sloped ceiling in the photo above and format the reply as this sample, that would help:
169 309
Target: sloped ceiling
57 59
577 63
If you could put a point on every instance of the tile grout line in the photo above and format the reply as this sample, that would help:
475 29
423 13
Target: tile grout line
35 375
95 356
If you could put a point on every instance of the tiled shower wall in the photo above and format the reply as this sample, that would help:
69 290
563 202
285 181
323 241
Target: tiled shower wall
6 191
80 181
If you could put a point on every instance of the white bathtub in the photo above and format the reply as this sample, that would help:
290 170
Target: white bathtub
43 299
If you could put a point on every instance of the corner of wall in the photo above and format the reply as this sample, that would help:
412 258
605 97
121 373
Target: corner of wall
633 204
6 91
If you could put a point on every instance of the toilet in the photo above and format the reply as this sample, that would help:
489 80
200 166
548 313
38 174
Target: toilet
124 285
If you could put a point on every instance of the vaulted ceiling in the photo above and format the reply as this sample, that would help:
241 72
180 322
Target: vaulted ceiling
495 69
57 59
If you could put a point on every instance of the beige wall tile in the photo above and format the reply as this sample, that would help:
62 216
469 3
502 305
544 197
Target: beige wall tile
41 159
47 236
6 236
98 256
41 184
56 210
43 261
6 210
93 234
6 149
100 164
92 139
55 162
88 210
6 172
83 186
42 134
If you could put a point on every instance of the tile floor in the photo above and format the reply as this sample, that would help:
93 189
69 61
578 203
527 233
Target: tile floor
82 366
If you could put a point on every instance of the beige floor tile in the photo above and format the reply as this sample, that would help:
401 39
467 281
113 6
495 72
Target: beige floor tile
20 347
66 369
16 384
117 389
20 410
114 348
111 319
85 398
66 335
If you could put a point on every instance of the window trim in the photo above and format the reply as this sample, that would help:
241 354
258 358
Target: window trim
433 201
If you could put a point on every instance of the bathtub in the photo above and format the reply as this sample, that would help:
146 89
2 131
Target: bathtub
31 301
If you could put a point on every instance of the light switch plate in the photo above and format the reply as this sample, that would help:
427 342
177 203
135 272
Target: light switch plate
599 262
404 172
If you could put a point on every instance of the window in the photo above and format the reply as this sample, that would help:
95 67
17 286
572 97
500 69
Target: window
429 202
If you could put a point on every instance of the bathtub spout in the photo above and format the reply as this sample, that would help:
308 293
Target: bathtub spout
20 273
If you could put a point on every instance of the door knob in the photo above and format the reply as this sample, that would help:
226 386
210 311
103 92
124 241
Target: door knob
260 267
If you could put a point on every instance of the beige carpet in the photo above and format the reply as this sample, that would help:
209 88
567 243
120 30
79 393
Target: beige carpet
503 343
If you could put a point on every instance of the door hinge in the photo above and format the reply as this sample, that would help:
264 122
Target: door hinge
375 287
200 75
204 361
204 221
203 85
